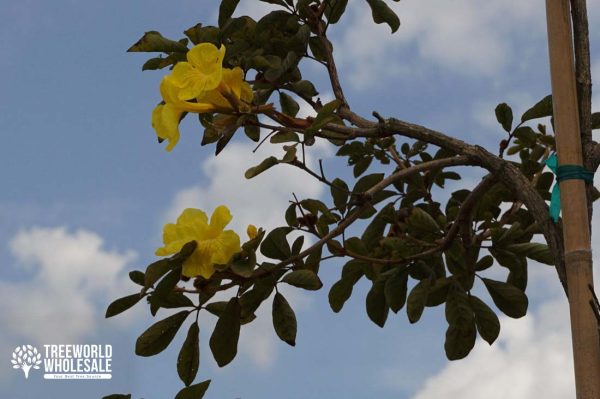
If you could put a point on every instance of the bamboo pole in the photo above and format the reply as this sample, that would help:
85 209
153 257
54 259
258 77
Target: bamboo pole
578 259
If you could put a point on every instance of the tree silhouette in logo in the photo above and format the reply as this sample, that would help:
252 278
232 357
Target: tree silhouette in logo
26 357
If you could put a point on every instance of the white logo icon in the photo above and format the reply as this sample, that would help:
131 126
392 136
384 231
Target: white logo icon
26 357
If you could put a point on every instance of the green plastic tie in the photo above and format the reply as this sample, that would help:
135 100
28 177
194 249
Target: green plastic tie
564 172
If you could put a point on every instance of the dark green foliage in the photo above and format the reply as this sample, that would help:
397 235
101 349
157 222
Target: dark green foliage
156 338
284 320
195 391
224 339
189 356
122 304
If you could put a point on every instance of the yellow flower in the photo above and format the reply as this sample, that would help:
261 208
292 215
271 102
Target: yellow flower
232 86
201 73
251 231
170 94
204 81
165 120
215 245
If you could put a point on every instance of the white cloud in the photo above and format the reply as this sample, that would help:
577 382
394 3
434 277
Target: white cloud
463 36
532 358
255 9
71 278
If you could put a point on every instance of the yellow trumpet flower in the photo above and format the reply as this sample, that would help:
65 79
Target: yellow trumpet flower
215 245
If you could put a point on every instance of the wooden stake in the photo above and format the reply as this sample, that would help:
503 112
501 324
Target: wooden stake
578 259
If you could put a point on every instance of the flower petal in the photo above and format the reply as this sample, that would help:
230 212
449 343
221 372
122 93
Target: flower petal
220 218
252 231
233 79
198 264
169 233
215 98
181 74
171 95
192 216
206 57
246 93
227 244
207 61
171 248
165 121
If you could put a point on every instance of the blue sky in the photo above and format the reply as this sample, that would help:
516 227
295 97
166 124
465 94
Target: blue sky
86 190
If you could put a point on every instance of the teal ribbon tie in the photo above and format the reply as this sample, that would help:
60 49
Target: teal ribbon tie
564 172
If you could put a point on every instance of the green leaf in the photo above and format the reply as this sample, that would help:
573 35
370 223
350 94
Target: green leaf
304 88
226 134
366 182
487 322
540 110
164 288
421 221
122 304
339 293
340 193
460 339
533 250
415 303
317 48
356 245
153 41
504 115
117 396
204 34
297 245
596 120
137 277
189 356
313 260
484 263
334 9
275 245
509 299
244 266
156 338
251 129
290 215
382 13
284 320
458 309
261 167
226 10
461 334
377 308
361 166
224 339
176 300
374 231
284 137
396 289
289 106
195 391
161 62
324 116
306 279
155 271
